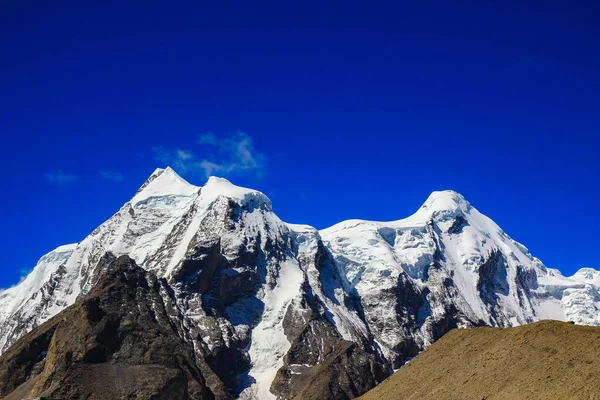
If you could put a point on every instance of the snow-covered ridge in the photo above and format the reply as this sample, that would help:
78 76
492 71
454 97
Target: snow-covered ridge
372 255
164 182
46 266
391 287
439 204
143 228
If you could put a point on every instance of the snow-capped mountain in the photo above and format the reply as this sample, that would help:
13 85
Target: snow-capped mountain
448 266
274 308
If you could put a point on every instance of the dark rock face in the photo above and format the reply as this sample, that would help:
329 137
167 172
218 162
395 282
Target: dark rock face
412 308
117 342
493 281
457 226
320 363
346 372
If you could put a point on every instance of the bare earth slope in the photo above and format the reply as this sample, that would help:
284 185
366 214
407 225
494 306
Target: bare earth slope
544 360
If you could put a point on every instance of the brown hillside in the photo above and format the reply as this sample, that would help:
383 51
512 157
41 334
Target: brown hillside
544 360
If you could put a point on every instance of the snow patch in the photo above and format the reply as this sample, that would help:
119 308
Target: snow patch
269 344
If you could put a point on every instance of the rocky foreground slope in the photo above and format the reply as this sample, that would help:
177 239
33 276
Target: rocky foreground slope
273 308
543 360
117 342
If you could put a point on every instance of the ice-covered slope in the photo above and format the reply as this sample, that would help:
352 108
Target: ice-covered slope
448 264
155 228
267 304
36 288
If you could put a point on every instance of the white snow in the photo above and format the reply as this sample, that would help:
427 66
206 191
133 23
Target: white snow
324 285
269 343
587 276
167 182
12 298
65 248
222 187
550 308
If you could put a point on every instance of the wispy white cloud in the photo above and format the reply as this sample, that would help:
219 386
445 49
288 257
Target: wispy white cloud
231 155
23 272
207 138
183 161
60 178
112 176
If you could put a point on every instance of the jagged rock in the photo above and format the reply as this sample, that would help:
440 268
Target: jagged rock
322 365
117 342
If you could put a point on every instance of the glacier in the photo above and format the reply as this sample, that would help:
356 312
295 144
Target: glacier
266 302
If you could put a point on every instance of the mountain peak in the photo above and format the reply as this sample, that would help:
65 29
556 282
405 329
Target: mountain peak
167 182
164 182
446 200
217 180
216 186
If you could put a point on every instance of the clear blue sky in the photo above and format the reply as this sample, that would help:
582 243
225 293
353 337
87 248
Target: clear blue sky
349 110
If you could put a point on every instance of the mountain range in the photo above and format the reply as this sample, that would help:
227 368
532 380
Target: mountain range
256 308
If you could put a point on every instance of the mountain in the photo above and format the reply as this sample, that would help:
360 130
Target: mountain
450 266
543 360
274 308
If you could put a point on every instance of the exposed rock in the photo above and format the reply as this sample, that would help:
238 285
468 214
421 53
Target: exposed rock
321 365
115 343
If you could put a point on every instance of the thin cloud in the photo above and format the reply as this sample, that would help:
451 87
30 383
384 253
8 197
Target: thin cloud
112 176
60 178
183 161
231 155
207 138
24 273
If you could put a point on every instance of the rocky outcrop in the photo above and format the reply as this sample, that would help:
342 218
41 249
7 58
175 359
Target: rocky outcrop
117 342
322 365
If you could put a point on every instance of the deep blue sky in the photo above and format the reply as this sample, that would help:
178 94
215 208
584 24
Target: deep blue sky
354 110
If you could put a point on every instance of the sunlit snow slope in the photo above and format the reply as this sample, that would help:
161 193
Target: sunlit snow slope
461 263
